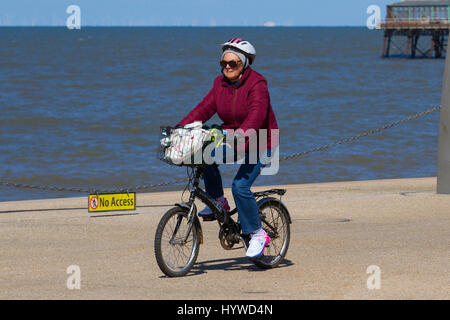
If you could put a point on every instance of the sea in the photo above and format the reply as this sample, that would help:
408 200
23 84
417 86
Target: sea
83 108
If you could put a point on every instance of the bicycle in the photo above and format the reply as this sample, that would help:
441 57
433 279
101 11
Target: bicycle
179 232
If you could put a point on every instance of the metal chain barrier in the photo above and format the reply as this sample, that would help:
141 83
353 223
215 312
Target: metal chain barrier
174 182
364 134
91 191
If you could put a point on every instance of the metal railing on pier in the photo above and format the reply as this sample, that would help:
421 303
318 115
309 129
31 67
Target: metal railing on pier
402 23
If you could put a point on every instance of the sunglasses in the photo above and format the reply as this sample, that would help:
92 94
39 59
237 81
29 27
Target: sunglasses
232 63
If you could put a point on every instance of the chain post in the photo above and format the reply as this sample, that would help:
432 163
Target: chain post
443 172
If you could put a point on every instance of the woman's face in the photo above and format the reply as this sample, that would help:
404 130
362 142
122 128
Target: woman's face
232 74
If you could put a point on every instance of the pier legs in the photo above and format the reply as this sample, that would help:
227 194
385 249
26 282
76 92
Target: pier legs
411 44
386 44
408 45
415 39
412 49
438 44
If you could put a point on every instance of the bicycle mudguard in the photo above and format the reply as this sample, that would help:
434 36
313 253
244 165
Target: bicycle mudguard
196 220
266 193
278 202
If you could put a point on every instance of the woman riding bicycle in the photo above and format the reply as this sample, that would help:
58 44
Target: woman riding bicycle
241 99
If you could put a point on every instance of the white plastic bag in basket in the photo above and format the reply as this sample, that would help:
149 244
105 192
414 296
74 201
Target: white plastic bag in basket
185 142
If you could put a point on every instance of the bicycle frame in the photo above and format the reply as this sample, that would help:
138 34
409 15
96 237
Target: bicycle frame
223 216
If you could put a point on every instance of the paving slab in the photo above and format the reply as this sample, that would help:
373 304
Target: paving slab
339 230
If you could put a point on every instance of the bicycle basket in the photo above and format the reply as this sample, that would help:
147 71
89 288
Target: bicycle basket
179 146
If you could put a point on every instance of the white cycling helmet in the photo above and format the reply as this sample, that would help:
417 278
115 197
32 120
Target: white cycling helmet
242 46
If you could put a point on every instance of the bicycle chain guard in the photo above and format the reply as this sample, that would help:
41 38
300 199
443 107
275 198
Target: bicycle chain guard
228 238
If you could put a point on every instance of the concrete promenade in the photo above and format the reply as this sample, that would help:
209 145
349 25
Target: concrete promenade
339 229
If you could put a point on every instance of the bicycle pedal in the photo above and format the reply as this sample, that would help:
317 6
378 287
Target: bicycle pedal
212 218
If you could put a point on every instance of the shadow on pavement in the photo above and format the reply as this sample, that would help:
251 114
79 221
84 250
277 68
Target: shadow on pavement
232 264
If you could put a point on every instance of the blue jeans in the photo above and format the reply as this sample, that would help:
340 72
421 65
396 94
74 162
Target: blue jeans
243 196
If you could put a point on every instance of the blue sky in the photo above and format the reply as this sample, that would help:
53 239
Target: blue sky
189 12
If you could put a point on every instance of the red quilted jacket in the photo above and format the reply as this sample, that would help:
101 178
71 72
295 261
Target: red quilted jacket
245 106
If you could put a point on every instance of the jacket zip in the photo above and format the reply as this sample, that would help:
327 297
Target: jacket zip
234 103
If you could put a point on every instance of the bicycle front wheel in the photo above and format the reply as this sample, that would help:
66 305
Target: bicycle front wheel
174 253
275 221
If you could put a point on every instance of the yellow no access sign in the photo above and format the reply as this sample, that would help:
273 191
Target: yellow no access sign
112 202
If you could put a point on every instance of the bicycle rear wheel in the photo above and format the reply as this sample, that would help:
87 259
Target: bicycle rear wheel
174 255
275 221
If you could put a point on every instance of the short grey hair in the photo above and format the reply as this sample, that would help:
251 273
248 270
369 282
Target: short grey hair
241 57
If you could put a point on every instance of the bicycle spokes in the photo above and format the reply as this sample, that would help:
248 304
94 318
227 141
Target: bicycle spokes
175 246
275 223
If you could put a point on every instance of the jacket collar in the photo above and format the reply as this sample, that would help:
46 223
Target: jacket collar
245 75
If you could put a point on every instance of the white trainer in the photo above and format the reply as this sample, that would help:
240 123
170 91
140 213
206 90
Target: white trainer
258 242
